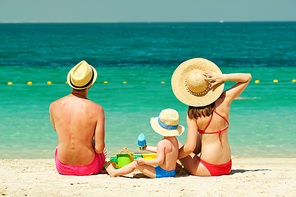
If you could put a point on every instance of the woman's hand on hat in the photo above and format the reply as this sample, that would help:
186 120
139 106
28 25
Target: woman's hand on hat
213 78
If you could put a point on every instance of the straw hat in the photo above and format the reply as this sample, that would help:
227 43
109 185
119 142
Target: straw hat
82 76
167 124
189 85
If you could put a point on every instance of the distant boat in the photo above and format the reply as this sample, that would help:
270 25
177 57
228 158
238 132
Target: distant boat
221 21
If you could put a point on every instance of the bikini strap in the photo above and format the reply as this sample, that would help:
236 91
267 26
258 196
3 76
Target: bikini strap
220 131
221 117
203 131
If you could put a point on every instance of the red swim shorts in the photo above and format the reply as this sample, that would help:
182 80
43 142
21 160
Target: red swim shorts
93 168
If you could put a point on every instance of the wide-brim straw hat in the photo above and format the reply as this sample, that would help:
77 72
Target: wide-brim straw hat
189 86
167 123
82 76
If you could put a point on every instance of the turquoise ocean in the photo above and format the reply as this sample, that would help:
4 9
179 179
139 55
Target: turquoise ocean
135 62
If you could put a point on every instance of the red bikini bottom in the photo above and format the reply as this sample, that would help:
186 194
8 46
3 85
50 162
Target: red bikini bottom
217 170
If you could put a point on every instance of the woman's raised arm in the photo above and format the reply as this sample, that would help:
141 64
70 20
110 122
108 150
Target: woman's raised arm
242 80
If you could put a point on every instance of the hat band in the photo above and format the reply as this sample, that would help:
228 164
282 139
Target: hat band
163 125
92 77
200 93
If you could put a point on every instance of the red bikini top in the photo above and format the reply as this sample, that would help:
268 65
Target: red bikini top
220 131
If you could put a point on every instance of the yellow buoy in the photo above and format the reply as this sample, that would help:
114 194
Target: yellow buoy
49 83
294 80
162 82
124 82
66 82
275 81
30 83
105 82
9 83
257 81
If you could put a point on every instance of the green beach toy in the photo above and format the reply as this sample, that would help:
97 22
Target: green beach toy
137 155
114 159
124 159
113 163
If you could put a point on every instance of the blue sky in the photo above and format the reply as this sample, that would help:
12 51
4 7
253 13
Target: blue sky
146 10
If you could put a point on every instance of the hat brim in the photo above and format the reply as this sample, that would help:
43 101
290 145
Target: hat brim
165 132
90 84
179 86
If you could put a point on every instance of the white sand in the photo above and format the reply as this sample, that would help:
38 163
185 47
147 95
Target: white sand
249 177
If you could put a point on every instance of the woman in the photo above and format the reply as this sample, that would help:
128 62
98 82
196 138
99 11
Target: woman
199 83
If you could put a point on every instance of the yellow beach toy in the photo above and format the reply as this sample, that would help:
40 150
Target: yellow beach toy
149 155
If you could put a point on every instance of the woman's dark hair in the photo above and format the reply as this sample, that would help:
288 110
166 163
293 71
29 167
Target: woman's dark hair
197 112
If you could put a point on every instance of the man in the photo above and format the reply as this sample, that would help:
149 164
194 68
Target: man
80 126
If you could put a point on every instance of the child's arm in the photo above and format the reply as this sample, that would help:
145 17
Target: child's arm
159 158
152 149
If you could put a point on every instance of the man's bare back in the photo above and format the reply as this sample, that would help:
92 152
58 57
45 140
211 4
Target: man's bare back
78 121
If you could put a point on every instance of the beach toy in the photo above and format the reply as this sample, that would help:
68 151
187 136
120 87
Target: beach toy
113 158
113 163
149 155
124 159
137 155
141 141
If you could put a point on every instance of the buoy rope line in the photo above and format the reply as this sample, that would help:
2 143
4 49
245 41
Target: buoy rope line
162 82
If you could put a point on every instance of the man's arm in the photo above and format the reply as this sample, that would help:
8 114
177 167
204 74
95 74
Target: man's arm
51 115
100 131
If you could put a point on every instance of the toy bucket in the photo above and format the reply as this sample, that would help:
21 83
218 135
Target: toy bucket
114 159
124 159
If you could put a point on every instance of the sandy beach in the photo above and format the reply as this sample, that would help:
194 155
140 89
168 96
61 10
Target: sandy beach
249 177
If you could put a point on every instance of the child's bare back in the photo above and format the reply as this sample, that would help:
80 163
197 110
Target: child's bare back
171 149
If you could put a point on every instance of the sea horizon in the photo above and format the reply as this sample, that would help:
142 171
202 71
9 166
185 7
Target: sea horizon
214 21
